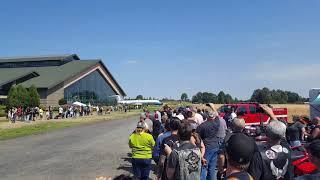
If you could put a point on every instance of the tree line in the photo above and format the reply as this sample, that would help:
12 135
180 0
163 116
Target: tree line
208 97
24 97
263 96
267 96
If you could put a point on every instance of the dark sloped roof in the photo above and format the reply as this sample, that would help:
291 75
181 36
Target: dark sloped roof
49 76
40 58
8 75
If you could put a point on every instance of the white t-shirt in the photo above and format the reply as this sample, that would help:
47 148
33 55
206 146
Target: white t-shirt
233 115
60 110
180 116
198 118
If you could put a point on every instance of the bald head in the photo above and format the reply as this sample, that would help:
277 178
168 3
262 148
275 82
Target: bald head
238 124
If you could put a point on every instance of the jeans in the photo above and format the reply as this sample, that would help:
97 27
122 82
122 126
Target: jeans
208 172
141 168
295 143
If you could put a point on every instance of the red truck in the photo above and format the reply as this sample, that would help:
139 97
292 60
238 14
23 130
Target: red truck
252 113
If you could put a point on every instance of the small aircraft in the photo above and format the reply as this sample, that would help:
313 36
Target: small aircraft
136 102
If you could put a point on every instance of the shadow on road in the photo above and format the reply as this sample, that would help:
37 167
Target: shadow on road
126 165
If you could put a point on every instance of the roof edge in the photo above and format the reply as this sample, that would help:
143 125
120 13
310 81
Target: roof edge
21 76
113 79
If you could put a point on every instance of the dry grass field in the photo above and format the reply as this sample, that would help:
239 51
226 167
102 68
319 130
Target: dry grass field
293 109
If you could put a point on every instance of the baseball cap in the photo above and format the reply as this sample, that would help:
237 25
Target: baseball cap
140 125
240 148
314 148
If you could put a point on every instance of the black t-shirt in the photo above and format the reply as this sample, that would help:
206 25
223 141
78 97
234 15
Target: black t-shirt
208 133
240 175
156 129
294 131
260 170
173 159
172 141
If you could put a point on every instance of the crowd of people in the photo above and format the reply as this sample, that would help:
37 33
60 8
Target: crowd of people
190 143
29 114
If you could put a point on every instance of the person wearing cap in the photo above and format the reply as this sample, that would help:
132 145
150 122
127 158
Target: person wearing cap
313 150
208 133
271 160
141 144
237 126
239 151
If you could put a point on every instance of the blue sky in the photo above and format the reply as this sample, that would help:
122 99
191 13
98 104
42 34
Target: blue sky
164 48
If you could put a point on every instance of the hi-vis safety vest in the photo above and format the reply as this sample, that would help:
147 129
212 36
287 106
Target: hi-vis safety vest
189 163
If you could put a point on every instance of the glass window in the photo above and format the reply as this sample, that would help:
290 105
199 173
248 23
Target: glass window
92 88
253 109
242 109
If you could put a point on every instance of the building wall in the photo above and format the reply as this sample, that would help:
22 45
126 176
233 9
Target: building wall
54 95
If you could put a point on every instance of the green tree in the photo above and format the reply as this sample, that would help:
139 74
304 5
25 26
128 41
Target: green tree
197 98
12 99
22 96
262 96
293 97
208 97
228 99
221 97
34 97
139 97
62 101
184 97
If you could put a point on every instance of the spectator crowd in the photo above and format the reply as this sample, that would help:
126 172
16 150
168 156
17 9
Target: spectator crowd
28 114
190 143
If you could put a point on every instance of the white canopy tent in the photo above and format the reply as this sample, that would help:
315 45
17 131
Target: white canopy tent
78 104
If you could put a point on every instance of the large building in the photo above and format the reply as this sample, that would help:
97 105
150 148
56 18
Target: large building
57 77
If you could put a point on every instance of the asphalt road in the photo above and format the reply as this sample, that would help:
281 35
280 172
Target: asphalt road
82 152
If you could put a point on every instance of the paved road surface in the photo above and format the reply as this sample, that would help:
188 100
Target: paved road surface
82 152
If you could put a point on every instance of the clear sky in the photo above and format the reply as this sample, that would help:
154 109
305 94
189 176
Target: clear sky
163 48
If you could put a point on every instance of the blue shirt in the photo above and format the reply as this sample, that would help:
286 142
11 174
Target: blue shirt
156 150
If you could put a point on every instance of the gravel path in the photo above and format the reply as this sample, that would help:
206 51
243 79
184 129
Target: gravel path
81 152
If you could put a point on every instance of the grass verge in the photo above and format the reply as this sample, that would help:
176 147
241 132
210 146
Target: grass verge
34 129
23 129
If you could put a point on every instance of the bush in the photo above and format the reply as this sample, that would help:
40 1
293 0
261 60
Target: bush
62 101
3 113
2 107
